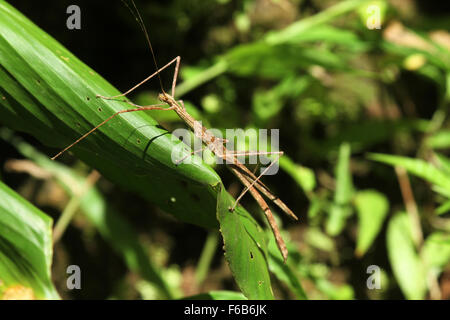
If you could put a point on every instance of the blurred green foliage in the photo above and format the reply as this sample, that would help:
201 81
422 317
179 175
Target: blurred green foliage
363 119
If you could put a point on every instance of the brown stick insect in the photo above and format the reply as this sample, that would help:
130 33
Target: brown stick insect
251 182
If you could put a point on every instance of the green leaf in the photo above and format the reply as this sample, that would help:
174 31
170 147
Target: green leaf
301 27
443 208
25 246
316 206
119 234
268 103
335 292
332 35
50 94
421 44
372 207
406 264
416 167
436 251
366 13
285 272
447 87
316 238
245 249
304 176
217 295
367 133
344 185
340 209
278 54
444 163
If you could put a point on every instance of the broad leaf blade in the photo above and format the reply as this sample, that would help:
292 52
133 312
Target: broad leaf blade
406 264
285 271
50 94
304 176
417 167
55 92
110 224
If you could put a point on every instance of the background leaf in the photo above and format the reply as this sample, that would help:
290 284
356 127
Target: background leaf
417 167
111 225
371 207
335 88
436 251
340 210
217 295
54 93
304 177
285 272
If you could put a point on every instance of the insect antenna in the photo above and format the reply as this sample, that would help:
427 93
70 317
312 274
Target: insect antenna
135 12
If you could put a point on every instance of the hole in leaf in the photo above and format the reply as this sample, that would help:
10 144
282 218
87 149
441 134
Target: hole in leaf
99 109
251 255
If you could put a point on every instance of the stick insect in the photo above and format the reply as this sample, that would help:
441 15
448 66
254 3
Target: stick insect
251 182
